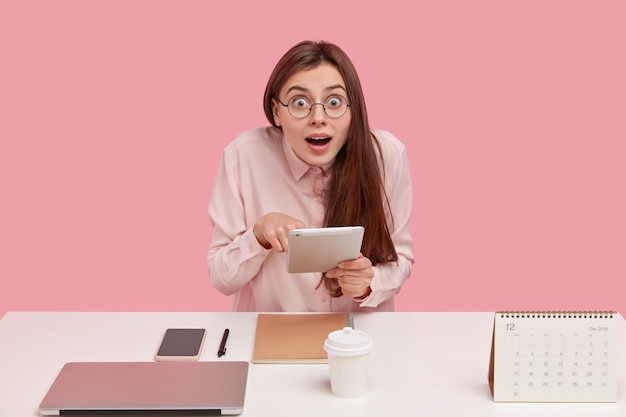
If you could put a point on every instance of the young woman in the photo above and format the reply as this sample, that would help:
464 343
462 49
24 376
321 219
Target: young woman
318 165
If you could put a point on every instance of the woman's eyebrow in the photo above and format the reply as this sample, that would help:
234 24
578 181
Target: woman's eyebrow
306 90
336 86
297 88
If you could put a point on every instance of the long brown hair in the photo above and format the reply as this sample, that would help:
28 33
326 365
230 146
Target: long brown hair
355 193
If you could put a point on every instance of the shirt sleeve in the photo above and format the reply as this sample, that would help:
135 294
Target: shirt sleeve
389 277
235 256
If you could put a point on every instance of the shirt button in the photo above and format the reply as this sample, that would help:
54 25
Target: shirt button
323 299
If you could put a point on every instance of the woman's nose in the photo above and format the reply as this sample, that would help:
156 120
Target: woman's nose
318 114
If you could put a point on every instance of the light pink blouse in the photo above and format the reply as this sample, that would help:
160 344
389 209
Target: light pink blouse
258 173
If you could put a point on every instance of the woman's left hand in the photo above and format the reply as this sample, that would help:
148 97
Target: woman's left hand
354 277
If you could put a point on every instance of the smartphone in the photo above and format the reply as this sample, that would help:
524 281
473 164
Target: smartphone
181 345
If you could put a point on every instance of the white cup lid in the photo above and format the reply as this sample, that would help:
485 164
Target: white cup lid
348 342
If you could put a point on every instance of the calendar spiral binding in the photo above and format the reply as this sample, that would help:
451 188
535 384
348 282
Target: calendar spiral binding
558 314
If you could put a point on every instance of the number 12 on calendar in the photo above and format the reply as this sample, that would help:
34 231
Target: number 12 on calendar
554 357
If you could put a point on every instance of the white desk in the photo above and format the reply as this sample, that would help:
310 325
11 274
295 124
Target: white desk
415 368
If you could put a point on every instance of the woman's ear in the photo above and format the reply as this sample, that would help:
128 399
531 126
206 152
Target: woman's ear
275 113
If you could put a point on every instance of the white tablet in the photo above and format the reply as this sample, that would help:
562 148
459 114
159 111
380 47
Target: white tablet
321 249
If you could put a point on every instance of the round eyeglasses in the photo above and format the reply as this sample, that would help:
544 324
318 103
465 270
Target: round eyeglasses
300 107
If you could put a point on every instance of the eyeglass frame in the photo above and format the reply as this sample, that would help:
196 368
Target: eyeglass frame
348 105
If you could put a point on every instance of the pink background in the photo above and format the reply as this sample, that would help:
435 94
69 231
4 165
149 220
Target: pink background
113 115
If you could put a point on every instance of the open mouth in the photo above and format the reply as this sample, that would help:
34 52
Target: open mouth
318 141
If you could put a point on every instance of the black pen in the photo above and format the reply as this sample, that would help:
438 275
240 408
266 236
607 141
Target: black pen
222 351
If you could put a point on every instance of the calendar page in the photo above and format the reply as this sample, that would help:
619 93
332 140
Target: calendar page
554 357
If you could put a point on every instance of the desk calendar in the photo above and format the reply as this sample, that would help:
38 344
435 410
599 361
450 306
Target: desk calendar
554 357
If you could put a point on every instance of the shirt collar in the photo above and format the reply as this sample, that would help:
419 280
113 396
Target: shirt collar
296 165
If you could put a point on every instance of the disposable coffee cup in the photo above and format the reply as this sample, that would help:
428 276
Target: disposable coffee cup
348 352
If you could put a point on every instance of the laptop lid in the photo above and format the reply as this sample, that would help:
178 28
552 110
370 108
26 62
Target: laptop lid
148 388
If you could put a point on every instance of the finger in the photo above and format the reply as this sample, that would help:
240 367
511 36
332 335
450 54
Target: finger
276 243
284 243
352 290
360 263
354 280
349 275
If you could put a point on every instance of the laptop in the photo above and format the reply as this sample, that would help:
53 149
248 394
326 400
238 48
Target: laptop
148 389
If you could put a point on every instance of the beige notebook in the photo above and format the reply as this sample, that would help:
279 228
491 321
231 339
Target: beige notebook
295 338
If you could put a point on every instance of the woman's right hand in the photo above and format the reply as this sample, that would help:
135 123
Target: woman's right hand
272 230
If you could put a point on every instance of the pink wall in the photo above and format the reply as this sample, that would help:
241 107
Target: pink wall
113 115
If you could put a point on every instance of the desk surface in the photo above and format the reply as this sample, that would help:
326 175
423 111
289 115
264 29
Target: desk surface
430 364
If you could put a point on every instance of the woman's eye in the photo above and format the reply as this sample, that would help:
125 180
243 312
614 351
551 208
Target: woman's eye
333 102
300 102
